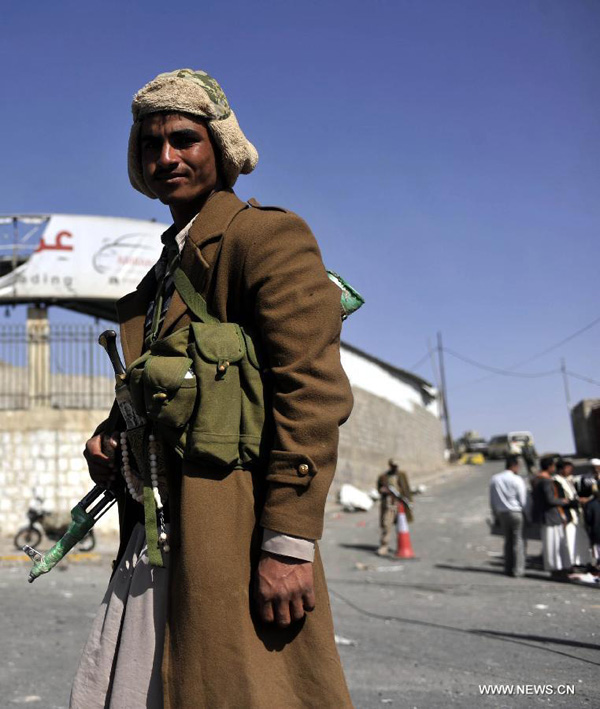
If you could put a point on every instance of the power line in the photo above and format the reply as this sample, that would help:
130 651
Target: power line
570 337
527 375
583 378
502 372
420 362
512 367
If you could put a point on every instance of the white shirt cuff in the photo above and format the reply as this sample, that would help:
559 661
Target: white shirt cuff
285 545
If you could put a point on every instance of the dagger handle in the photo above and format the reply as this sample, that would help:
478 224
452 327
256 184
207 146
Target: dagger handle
108 340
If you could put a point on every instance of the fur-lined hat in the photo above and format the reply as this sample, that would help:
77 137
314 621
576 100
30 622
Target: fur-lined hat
198 94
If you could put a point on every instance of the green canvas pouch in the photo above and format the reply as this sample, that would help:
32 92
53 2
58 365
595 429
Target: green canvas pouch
214 432
163 385
169 390
253 405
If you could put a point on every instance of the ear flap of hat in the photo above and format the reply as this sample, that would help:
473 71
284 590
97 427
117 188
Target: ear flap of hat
134 161
238 155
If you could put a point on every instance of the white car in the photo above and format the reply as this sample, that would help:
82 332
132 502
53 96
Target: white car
508 444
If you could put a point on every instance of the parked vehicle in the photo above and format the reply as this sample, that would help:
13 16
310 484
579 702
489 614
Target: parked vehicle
508 444
53 525
477 445
471 442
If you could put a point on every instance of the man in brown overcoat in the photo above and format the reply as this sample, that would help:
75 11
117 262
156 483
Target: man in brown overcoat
239 616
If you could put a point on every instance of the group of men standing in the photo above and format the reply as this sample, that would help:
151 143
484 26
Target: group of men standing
566 508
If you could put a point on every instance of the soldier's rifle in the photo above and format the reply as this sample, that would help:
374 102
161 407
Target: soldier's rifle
399 496
99 500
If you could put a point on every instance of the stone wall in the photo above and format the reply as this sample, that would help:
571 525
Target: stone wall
378 430
42 449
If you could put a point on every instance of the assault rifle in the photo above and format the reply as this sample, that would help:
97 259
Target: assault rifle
399 496
99 500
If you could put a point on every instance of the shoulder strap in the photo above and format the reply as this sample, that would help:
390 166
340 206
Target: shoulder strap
190 296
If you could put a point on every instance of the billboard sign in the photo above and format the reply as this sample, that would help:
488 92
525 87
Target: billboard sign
83 258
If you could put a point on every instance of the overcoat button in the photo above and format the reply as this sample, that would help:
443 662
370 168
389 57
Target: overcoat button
303 469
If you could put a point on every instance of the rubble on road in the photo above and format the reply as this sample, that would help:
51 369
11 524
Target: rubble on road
339 640
354 500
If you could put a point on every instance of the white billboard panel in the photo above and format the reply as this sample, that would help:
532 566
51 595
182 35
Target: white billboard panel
87 258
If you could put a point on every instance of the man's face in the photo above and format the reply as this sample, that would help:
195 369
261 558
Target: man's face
178 160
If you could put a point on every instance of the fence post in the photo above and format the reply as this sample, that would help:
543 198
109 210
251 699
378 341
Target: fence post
91 344
38 356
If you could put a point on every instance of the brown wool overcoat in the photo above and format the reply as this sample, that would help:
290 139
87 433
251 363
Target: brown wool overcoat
259 267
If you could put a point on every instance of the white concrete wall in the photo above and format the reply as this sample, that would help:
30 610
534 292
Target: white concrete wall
42 449
391 419
376 380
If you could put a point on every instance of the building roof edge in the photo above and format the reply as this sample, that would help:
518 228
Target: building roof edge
395 371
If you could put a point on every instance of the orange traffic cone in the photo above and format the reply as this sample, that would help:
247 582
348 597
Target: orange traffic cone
404 550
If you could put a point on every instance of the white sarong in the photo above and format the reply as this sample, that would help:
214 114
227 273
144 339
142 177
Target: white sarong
121 663
554 548
578 543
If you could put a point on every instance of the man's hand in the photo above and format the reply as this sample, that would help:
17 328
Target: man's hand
100 454
283 589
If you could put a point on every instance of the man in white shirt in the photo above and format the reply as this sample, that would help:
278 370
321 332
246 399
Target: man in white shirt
508 496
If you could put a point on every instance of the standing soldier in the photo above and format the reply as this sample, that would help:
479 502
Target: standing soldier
529 456
231 342
389 485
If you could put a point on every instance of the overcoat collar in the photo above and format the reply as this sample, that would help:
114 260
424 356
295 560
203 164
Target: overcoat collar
209 226
131 314
215 216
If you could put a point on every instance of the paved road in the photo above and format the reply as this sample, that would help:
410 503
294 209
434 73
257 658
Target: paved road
425 633
429 633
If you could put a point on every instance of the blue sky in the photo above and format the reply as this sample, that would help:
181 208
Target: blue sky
445 153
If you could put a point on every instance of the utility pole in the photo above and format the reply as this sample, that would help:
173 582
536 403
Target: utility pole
449 440
563 369
436 376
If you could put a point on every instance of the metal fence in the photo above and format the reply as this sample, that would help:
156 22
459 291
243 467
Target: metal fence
53 365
